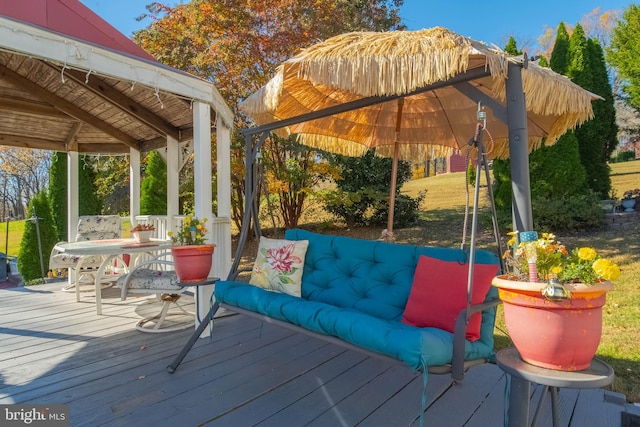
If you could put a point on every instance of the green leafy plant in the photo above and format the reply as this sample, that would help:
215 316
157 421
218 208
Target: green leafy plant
191 232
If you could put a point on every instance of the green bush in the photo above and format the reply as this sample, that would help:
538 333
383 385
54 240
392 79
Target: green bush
153 190
29 258
364 182
573 213
349 206
624 156
471 174
406 211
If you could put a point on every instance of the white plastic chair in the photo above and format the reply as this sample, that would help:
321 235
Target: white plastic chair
91 227
156 276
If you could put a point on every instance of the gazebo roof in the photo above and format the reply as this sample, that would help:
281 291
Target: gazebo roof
71 82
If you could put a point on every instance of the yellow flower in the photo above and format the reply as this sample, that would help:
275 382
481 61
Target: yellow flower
556 270
170 233
587 254
606 269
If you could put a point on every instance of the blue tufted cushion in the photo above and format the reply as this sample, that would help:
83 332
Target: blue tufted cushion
416 347
356 290
370 276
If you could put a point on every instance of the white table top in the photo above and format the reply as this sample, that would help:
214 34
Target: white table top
111 246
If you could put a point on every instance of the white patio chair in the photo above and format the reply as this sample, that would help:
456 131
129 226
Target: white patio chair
91 227
156 276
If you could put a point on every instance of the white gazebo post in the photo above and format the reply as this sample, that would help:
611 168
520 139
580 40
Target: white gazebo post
134 185
173 185
202 188
72 202
222 257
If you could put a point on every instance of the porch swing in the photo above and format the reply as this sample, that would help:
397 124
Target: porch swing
458 364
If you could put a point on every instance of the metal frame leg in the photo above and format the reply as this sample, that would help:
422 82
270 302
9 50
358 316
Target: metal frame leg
555 413
519 396
194 337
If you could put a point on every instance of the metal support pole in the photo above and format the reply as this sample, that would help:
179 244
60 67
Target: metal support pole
518 149
34 218
519 395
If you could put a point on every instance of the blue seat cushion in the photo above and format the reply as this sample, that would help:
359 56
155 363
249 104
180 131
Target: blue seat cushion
415 347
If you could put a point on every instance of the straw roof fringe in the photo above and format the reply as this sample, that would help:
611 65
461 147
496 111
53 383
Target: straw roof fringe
362 64
374 64
414 152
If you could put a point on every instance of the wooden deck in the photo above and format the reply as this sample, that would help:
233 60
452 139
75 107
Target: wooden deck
57 351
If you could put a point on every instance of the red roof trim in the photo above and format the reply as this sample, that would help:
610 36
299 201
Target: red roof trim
72 18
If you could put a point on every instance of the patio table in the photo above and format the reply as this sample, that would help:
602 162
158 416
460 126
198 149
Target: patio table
599 374
109 249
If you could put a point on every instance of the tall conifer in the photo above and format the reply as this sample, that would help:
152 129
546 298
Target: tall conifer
591 136
153 192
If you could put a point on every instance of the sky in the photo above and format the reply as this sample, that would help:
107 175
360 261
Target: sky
490 21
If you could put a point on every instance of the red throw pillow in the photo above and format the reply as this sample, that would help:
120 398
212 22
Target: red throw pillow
439 293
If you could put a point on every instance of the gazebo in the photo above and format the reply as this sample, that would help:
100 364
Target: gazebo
70 82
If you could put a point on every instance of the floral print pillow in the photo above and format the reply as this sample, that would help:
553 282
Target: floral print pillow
278 265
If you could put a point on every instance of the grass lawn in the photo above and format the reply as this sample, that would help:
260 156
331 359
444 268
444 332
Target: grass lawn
441 224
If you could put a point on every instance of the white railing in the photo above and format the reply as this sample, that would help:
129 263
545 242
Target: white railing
160 222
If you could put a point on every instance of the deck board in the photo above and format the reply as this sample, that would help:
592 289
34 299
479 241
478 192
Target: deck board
57 350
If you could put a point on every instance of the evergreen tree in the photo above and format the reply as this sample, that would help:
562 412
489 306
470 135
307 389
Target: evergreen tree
556 173
58 193
543 62
624 51
604 111
511 48
153 192
559 60
591 139
502 167
88 201
29 256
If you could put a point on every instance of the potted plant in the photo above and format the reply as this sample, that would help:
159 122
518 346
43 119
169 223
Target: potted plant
142 232
553 301
191 256
629 199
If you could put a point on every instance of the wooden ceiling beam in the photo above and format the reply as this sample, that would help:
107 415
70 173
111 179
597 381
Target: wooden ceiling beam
92 148
71 142
30 107
67 107
34 143
120 100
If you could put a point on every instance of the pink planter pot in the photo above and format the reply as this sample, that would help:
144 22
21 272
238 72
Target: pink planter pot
192 263
554 335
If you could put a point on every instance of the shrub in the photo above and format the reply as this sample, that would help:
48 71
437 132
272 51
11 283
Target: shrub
349 206
624 156
406 212
364 181
29 257
574 213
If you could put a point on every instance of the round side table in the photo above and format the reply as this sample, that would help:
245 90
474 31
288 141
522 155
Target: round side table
599 374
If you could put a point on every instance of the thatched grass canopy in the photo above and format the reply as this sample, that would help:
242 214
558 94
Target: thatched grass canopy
363 64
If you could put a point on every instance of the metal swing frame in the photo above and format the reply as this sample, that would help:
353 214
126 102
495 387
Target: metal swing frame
514 114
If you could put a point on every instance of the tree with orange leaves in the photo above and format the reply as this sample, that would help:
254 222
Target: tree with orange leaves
238 44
